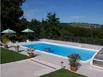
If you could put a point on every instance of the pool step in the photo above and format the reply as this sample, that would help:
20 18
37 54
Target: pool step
48 64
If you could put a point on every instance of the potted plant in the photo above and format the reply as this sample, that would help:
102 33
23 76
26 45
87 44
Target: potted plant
31 53
17 48
74 61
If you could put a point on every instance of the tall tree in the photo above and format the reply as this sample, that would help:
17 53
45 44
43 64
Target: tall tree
11 12
22 24
52 19
35 25
51 26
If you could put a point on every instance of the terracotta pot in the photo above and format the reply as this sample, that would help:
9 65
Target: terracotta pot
31 55
73 68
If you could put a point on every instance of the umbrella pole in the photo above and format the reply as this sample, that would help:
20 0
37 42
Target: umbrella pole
27 36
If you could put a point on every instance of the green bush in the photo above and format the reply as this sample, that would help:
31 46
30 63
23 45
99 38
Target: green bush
5 39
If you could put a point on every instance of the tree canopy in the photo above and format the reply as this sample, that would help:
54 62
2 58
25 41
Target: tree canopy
11 13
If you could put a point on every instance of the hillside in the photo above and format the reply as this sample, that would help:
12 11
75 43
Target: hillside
86 25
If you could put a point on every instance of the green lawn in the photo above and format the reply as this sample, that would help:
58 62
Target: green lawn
10 56
63 73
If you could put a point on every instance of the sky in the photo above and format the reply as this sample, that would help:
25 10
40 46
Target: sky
85 11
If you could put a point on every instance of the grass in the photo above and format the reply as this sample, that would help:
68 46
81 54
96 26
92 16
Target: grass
62 73
10 56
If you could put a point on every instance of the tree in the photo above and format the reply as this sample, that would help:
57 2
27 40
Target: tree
50 26
52 19
35 25
21 25
11 13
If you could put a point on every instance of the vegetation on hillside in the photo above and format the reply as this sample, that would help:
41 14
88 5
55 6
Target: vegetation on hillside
50 27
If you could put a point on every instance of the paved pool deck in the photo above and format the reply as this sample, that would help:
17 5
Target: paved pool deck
39 63
90 46
24 68
84 68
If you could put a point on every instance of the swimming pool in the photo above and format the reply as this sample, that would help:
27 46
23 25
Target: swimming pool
85 54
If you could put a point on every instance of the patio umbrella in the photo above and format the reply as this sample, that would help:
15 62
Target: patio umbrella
8 31
27 31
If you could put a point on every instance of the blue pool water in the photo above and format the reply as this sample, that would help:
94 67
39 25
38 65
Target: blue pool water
63 51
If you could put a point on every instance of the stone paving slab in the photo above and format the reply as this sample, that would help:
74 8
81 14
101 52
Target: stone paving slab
90 46
84 68
25 68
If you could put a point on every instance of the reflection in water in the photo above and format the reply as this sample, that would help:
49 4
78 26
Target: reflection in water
48 49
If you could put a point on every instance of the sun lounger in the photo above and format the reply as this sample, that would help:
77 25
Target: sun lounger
27 40
3 45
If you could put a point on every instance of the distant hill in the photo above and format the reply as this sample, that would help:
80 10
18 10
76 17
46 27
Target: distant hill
86 25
